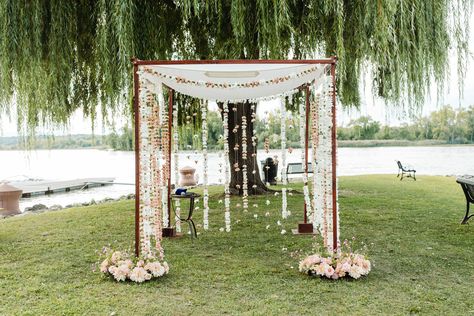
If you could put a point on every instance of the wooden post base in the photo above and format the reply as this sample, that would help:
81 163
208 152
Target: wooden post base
169 232
303 229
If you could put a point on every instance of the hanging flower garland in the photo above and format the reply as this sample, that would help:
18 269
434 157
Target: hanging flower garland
176 165
236 165
250 100
333 209
322 152
266 145
151 171
326 129
245 192
317 164
254 146
284 203
147 187
205 165
163 157
225 85
226 168
302 123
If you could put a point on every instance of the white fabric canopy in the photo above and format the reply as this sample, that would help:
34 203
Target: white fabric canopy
228 82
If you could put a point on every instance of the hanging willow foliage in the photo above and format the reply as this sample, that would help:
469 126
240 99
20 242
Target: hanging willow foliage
58 56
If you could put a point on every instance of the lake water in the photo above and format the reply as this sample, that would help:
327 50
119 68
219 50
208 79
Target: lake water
84 163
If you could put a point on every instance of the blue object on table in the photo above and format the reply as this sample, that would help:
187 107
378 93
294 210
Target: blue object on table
180 191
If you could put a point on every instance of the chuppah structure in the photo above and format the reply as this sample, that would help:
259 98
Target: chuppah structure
229 82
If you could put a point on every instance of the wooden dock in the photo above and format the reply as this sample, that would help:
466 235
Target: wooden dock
33 188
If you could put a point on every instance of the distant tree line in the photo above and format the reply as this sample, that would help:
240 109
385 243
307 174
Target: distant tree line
54 142
121 141
452 126
447 125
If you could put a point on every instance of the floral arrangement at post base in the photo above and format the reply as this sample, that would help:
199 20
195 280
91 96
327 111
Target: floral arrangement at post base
123 266
344 263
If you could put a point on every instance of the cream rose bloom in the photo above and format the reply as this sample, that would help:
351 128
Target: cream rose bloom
116 257
104 266
321 268
346 267
307 263
328 271
355 271
128 263
166 266
339 271
155 268
121 273
139 275
365 265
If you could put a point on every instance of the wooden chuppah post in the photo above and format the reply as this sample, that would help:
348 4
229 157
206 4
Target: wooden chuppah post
305 227
334 157
306 139
170 115
136 111
169 231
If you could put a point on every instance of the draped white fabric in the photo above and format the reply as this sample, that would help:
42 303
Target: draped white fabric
243 81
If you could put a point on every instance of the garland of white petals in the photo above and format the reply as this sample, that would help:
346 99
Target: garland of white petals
302 122
317 184
254 144
176 166
284 177
225 85
150 171
245 191
321 115
163 156
204 106
226 168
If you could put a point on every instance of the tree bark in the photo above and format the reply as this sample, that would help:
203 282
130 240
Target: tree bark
236 112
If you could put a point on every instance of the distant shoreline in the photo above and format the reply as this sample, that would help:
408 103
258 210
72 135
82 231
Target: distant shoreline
340 143
394 143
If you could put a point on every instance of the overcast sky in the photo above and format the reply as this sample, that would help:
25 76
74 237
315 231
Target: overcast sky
369 105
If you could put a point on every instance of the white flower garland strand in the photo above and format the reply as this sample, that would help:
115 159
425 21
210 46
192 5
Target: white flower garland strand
162 156
204 106
150 171
245 191
225 85
302 122
317 188
254 153
322 161
226 168
176 166
145 222
284 203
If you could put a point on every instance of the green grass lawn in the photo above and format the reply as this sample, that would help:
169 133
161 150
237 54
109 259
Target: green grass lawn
423 259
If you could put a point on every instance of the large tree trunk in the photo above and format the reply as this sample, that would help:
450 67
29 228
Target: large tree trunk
235 156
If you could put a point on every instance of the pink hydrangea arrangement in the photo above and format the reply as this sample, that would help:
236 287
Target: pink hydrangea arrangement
122 266
343 263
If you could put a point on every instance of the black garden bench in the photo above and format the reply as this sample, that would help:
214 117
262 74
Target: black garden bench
467 185
404 171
